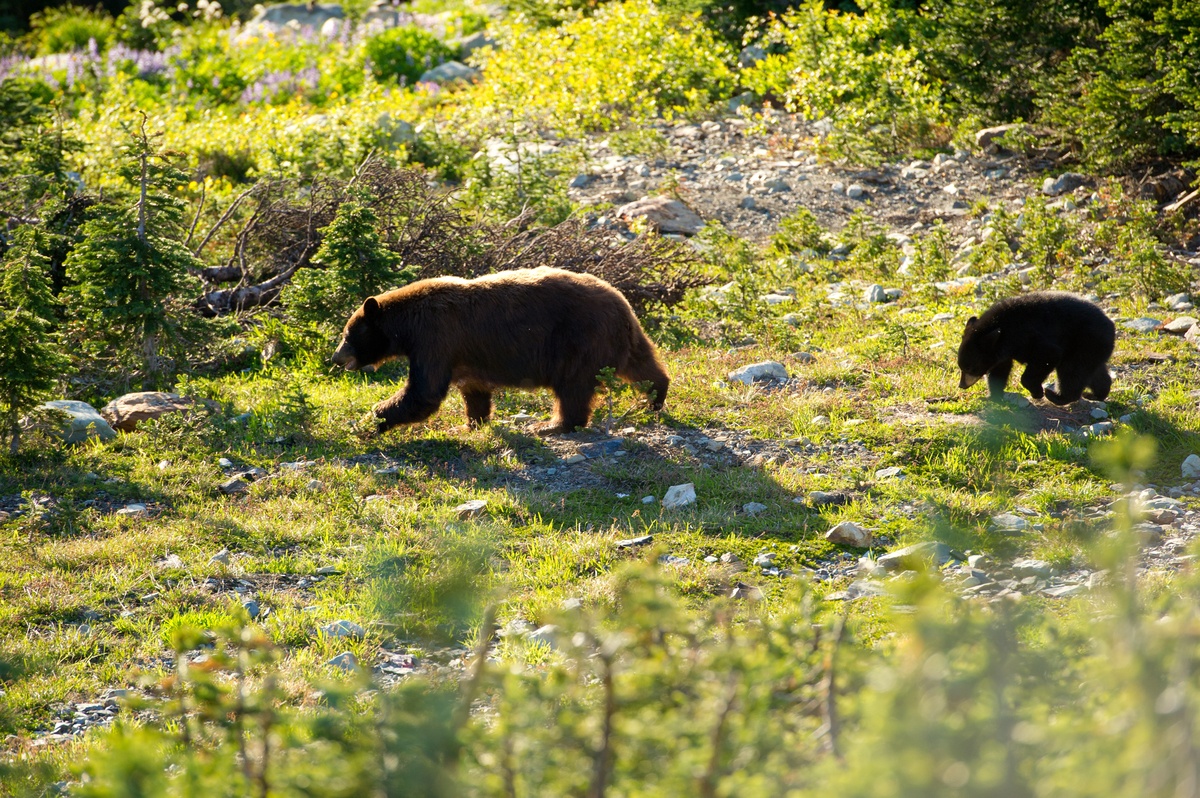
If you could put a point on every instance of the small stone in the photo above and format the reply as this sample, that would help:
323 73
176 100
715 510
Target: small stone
1099 412
1181 325
875 294
314 485
911 557
821 421
855 191
574 459
1099 429
1009 523
764 559
234 486
1190 469
848 533
1143 324
346 661
978 561
748 203
543 634
251 607
579 181
344 629
1064 591
753 508
679 496
745 592
767 370
714 446
1026 567
820 498
170 561
225 462
328 570
663 214
126 411
1067 181
132 509
630 543
891 472
82 421
649 500
220 558
602 448
471 509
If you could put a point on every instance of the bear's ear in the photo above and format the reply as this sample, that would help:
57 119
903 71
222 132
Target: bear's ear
971 321
371 307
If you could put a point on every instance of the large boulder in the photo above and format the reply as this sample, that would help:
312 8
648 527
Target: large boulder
449 72
82 422
286 20
663 214
126 411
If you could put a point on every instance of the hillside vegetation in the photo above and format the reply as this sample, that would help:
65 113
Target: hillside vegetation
878 583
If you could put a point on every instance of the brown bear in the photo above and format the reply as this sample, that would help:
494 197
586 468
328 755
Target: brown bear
527 328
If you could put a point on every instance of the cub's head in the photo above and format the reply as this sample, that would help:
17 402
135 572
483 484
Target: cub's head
364 343
978 353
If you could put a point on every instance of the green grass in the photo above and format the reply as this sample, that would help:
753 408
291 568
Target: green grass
884 377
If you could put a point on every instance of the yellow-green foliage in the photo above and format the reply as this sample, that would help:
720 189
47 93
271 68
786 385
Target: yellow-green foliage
842 67
629 62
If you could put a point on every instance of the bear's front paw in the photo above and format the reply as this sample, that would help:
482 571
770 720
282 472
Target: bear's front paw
1036 391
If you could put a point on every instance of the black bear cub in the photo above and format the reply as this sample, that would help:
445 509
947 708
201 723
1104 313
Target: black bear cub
1047 331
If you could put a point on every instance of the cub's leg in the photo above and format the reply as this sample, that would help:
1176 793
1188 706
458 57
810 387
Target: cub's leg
998 379
1100 383
1035 374
1071 381
479 405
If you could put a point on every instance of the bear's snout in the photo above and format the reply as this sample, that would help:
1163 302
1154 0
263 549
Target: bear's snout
967 380
344 358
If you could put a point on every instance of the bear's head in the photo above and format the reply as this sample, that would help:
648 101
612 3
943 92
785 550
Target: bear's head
364 343
978 353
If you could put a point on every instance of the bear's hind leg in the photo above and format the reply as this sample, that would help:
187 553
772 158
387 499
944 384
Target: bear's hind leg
1100 383
479 405
1034 376
572 409
1071 382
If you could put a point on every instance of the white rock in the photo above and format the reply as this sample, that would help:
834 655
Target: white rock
767 370
664 214
1144 324
1181 325
83 421
848 533
471 509
679 496
855 191
449 72
891 472
346 661
1008 522
753 508
648 500
875 294
221 557
1190 469
132 509
344 629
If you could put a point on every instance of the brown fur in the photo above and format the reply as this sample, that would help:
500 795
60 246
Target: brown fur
528 328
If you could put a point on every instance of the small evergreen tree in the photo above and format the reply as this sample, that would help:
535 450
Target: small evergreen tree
131 268
31 354
353 264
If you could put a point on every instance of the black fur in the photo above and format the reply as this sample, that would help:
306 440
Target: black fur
1048 331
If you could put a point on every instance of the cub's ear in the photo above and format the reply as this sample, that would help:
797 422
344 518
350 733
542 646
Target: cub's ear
371 307
971 321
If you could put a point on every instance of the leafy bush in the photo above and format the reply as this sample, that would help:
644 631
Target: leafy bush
992 58
1136 93
64 29
630 62
405 53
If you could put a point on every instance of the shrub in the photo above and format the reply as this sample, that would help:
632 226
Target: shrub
847 68
31 356
1136 93
68 28
405 53
628 63
351 265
